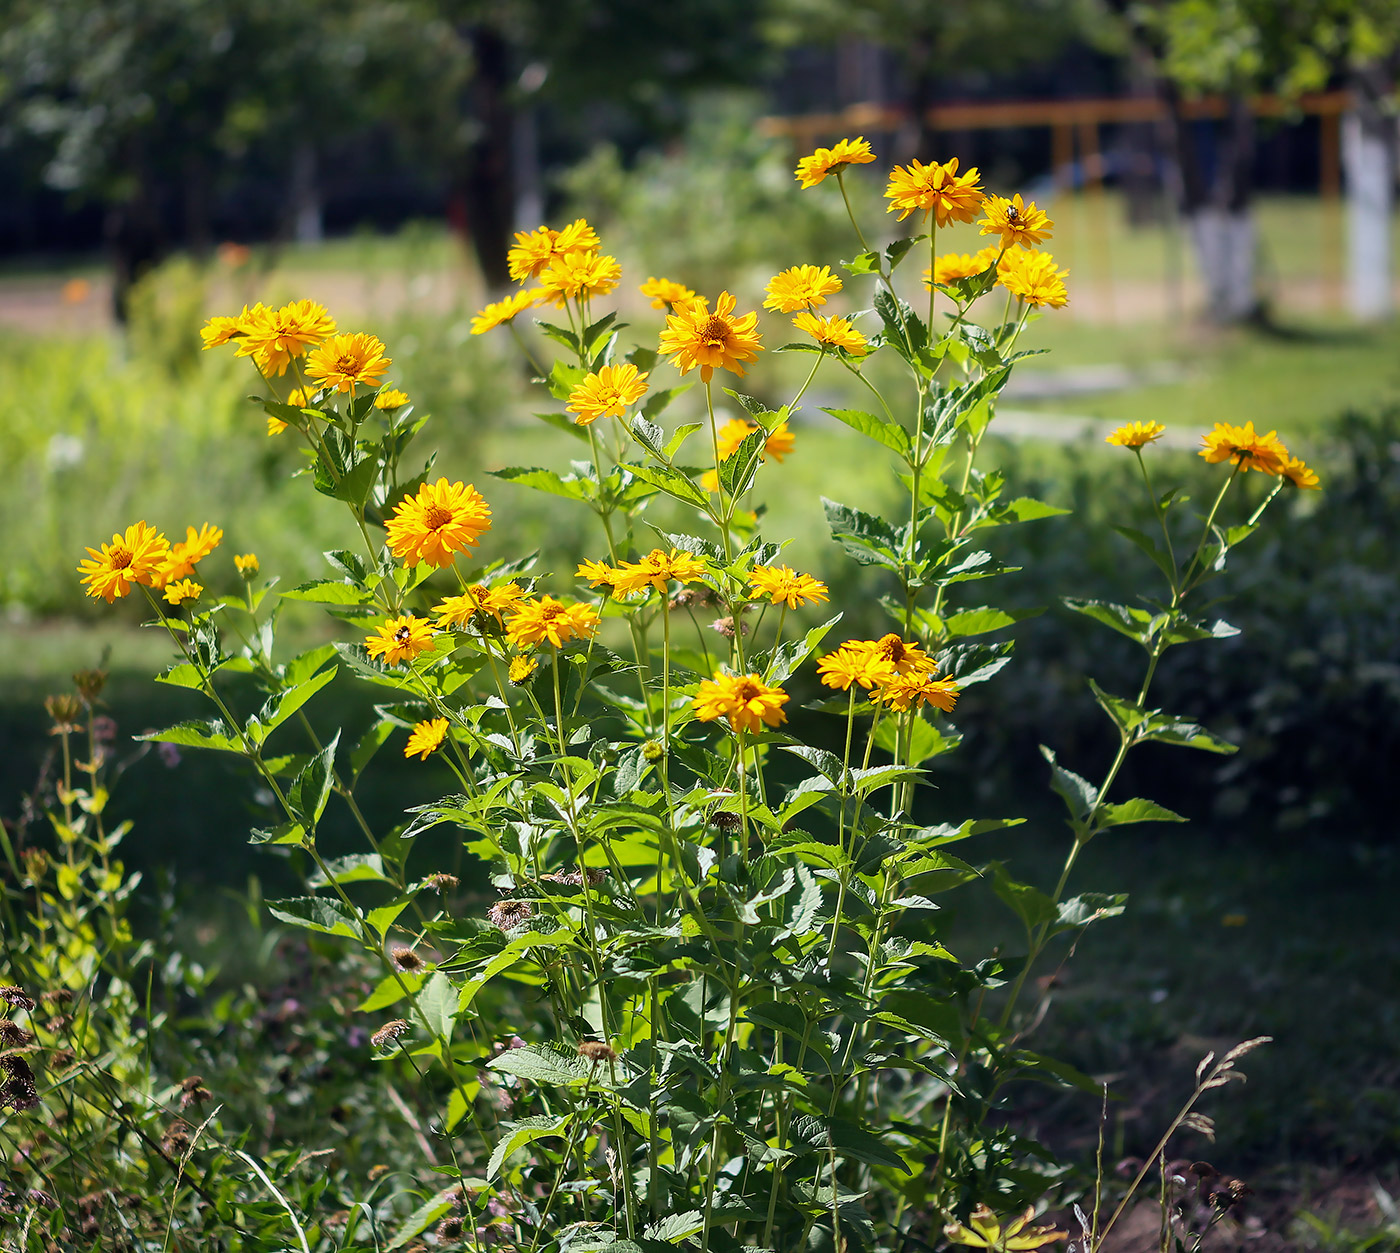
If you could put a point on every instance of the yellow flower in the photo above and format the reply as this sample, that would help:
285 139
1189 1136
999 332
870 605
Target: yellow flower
779 443
746 700
535 249
220 330
179 592
811 170
664 291
132 557
801 287
696 337
391 398
345 360
905 691
939 189
833 332
188 552
273 337
1015 221
501 311
581 275
1032 276
1297 473
608 393
904 658
397 639
247 564
657 569
955 265
547 620
986 1232
426 739
1245 448
443 519
1135 434
848 665
459 611
521 668
783 585
598 573
275 426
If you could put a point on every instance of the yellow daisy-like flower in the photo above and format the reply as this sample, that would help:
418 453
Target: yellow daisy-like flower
247 564
134 556
811 170
275 426
731 434
1135 434
399 639
1015 221
597 573
478 599
426 739
746 700
987 1232
784 586
1296 472
936 189
833 332
346 360
1032 277
608 393
848 666
501 311
182 590
577 275
906 691
219 331
1242 445
955 265
443 519
521 668
696 337
801 287
273 337
391 398
657 569
903 657
664 292
535 249
547 620
185 554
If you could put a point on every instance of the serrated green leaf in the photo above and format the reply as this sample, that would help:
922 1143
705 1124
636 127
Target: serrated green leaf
890 434
1136 810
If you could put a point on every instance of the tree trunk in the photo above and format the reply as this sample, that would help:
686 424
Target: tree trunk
1368 156
488 185
308 225
132 229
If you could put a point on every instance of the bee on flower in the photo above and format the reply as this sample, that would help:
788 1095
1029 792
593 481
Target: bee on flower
399 639
1015 221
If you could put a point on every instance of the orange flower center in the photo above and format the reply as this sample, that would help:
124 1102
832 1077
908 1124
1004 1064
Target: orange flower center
715 330
894 650
747 690
121 558
550 612
346 365
435 516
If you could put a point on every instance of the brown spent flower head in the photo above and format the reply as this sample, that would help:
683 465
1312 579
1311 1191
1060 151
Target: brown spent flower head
593 875
177 1139
195 1095
405 958
16 997
13 1036
450 1229
57 996
90 684
596 1051
388 1033
18 1091
65 708
61 1059
509 914
441 882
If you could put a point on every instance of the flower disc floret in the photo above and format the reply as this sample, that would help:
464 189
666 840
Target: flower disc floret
1245 447
656 570
1135 434
443 519
426 739
811 170
801 287
609 392
782 585
345 361
745 700
134 556
550 621
696 337
665 292
399 639
1016 222
1032 277
936 189
832 332
499 312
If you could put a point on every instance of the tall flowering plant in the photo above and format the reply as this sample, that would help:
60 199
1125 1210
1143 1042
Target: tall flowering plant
707 1007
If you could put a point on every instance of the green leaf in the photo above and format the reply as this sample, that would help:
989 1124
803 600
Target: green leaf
282 705
865 263
1079 795
1169 730
312 787
871 541
984 620
352 868
524 1132
330 592
1136 810
895 250
657 402
738 470
438 1004
572 488
672 482
676 1227
215 733
1136 624
891 434
1032 906
924 739
788 656
1149 546
542 1064
181 674
316 913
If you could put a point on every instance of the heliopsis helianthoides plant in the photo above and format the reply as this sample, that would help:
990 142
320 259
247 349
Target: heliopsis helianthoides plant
709 1005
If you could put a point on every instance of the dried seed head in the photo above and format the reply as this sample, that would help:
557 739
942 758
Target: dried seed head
36 864
176 1140
61 1059
65 709
725 627
90 684
441 882
450 1228
575 878
57 996
18 1090
691 598
13 1036
725 819
15 997
388 1033
406 958
596 1051
509 913
60 1023
40 1199
196 1095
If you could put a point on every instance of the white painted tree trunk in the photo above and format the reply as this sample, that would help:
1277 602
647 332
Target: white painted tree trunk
1225 246
1370 188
